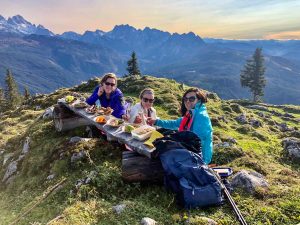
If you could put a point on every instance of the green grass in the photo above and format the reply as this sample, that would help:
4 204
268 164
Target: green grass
258 149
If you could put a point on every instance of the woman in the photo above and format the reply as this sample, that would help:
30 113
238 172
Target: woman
144 109
109 95
194 118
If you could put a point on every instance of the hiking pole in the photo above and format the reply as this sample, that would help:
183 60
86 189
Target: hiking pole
232 203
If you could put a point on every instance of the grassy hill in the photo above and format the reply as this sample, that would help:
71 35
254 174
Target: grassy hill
29 190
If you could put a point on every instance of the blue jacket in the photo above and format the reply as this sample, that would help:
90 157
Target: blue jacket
201 126
115 102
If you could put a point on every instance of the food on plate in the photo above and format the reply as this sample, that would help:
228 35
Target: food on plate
144 130
69 98
129 128
91 110
80 105
107 111
100 119
114 122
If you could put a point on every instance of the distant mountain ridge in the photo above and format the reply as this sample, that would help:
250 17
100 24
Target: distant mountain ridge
213 64
17 24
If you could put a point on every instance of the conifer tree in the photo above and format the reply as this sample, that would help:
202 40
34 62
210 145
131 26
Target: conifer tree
26 94
11 93
132 66
252 76
2 100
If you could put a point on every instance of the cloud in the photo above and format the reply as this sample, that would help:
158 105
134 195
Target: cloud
284 35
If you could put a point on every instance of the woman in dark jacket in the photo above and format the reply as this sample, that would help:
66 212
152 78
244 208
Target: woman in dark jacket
109 95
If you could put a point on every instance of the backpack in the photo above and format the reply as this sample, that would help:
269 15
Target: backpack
186 175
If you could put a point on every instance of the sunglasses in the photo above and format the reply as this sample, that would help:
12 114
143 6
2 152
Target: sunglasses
190 99
148 100
111 84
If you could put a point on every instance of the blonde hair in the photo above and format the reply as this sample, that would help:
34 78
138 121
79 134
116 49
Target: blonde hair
107 76
146 91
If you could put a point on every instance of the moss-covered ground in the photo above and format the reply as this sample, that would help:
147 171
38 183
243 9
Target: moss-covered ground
257 149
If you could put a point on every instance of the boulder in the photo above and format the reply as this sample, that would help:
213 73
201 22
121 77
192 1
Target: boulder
242 118
77 139
248 180
51 176
261 115
48 114
11 169
118 209
284 127
255 123
292 146
6 157
25 149
288 115
148 221
202 220
78 156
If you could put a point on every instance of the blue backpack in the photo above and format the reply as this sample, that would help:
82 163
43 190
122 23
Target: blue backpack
186 175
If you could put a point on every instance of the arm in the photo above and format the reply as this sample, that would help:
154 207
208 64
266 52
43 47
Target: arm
118 106
93 98
169 124
202 127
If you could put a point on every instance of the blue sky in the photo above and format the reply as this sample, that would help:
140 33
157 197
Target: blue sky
231 19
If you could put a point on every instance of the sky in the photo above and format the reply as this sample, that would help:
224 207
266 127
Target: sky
228 19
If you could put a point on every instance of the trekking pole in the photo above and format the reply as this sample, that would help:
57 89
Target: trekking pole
232 203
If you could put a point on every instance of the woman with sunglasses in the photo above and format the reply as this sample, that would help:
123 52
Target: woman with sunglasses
144 109
194 118
109 95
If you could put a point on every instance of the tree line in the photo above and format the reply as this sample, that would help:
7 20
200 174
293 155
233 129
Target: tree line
252 76
10 97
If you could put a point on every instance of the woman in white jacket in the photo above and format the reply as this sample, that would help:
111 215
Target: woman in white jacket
143 110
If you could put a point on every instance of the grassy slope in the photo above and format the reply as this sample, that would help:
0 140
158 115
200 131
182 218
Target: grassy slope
257 149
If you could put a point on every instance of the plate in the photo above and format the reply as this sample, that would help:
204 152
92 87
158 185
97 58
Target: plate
114 122
90 110
80 105
143 132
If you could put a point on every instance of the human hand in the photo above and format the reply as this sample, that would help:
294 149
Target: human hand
100 91
150 121
138 119
125 117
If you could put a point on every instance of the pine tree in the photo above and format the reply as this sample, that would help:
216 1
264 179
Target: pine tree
132 66
252 76
11 93
2 100
26 94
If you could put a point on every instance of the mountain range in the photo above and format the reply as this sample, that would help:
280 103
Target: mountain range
45 61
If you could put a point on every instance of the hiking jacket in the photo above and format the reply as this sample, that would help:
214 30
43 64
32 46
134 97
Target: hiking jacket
201 125
116 101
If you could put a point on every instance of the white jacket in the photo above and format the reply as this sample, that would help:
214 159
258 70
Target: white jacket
138 108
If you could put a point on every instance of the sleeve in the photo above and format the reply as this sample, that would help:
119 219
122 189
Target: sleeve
93 98
154 116
169 124
133 113
203 129
117 105
207 146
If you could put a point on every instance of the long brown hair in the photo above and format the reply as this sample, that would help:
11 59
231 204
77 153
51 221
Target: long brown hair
199 94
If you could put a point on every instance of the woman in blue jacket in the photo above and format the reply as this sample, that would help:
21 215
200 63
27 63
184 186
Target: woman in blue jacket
109 95
194 118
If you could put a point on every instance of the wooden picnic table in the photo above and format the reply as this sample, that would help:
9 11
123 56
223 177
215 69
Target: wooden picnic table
113 133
